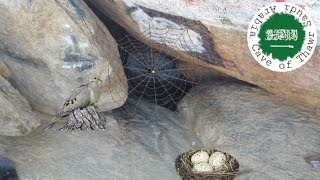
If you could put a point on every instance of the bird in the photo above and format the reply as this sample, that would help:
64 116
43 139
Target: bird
81 97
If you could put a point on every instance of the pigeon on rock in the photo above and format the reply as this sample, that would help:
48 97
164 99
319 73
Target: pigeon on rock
82 97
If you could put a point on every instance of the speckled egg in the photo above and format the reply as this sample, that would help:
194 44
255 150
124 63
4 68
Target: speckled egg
200 156
217 160
202 167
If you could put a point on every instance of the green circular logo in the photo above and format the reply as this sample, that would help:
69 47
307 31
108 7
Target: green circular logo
282 37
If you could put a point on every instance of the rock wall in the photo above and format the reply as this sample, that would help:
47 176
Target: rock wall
213 34
16 116
52 47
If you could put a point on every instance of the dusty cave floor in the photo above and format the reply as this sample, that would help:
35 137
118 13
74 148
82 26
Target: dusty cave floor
145 146
139 148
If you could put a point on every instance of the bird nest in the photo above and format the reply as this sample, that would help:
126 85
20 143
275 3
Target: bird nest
184 167
85 119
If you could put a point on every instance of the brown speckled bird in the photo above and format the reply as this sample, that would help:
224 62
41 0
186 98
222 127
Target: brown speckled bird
81 97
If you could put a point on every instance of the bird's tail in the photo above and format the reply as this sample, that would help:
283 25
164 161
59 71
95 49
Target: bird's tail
52 123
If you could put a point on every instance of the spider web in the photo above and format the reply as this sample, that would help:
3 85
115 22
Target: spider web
153 75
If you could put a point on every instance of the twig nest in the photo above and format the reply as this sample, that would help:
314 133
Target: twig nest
201 156
202 167
217 160
229 166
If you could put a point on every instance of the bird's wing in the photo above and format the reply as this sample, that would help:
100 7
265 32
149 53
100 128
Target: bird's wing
80 97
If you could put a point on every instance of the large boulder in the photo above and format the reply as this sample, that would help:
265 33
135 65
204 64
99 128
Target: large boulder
16 116
52 47
131 148
213 34
269 136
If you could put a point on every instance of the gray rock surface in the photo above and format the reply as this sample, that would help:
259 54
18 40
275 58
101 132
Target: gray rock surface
52 47
131 148
16 116
269 136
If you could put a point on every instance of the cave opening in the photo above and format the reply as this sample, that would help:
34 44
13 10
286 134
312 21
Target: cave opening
152 75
